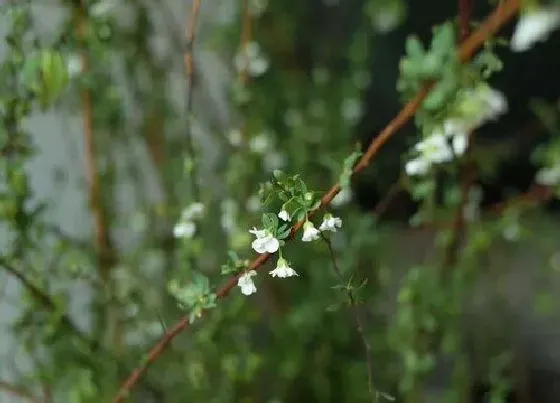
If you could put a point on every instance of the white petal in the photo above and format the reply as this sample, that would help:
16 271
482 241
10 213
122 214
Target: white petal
534 27
417 166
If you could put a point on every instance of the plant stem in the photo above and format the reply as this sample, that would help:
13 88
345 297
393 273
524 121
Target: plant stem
352 301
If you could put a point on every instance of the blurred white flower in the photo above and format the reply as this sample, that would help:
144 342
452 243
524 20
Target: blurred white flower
257 7
549 176
252 60
274 160
330 223
535 26
253 204
343 197
184 229
245 282
265 242
351 109
260 143
74 65
102 7
310 233
283 215
436 149
235 137
282 269
194 211
229 213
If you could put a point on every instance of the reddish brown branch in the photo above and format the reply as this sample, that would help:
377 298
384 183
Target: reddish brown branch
102 242
492 24
17 391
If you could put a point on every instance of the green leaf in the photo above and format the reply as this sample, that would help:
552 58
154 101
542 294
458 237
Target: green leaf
414 49
270 222
54 74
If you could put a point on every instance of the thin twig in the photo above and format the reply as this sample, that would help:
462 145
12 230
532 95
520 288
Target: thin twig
189 71
17 391
492 24
357 316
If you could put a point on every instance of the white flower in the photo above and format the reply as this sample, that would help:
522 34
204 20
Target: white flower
245 282
351 109
482 104
74 65
102 7
235 137
283 215
330 223
549 176
274 160
282 269
343 197
184 229
252 60
253 203
535 26
229 213
265 242
260 143
310 233
417 166
441 146
193 212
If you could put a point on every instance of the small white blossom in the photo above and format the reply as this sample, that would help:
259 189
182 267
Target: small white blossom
102 7
245 282
253 203
283 215
343 197
274 160
310 233
74 65
417 166
252 60
235 137
282 269
330 223
535 26
549 176
260 143
257 7
351 109
184 229
229 215
482 104
194 211
265 242
436 149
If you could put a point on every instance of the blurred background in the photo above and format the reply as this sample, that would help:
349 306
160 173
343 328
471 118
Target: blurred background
96 182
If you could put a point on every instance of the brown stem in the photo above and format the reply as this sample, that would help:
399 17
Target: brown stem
492 24
17 391
102 240
189 71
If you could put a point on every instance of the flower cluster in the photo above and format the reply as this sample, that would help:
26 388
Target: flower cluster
266 241
474 107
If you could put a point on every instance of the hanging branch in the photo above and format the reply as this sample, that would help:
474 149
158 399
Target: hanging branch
189 71
102 239
467 172
492 24
16 391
